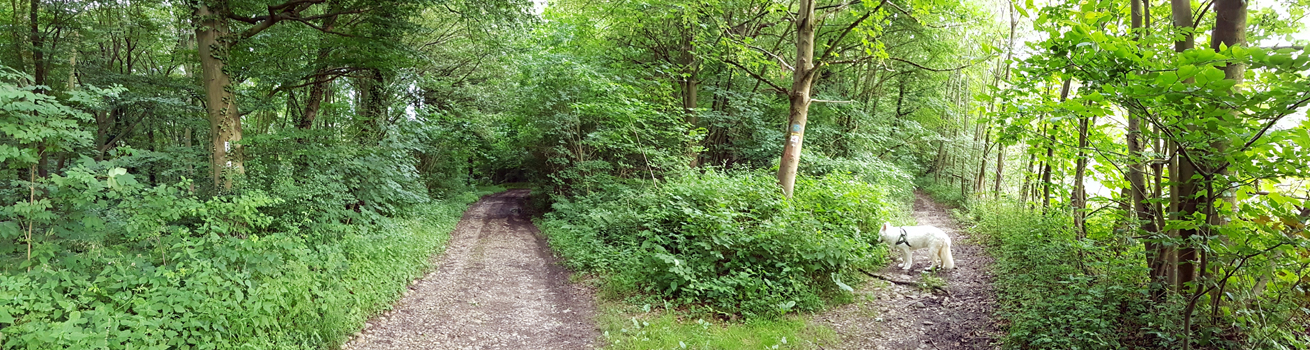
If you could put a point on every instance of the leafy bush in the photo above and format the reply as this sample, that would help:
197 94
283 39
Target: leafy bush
1051 293
586 126
326 182
728 243
135 267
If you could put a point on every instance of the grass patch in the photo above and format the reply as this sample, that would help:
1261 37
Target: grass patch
630 327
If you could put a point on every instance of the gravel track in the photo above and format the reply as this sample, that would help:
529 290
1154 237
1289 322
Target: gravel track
890 316
497 286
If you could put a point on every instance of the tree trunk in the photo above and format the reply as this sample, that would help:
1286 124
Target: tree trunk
372 110
1079 197
213 36
802 77
319 87
1027 178
1185 186
1229 31
980 182
72 67
1050 150
17 37
1000 167
1156 253
38 47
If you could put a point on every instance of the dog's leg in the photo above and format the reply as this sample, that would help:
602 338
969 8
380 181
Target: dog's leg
932 257
909 258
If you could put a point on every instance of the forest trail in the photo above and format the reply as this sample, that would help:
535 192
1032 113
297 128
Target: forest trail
497 286
891 316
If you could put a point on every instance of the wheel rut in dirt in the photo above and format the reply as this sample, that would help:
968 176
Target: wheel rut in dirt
891 316
497 286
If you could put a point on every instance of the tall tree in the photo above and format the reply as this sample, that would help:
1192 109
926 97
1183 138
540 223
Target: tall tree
799 97
1156 252
213 40
1185 183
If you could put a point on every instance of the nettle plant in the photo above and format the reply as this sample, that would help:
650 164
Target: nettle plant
727 244
36 125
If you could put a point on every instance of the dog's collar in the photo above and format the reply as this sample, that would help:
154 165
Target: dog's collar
902 239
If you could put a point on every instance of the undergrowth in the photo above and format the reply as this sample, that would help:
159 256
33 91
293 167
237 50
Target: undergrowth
1056 291
219 282
724 244
1050 296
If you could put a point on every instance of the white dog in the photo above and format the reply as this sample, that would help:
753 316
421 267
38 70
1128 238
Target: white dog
911 238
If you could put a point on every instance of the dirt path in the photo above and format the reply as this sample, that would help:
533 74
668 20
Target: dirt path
889 316
497 286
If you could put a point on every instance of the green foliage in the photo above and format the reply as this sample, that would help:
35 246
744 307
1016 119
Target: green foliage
1047 295
326 181
164 269
586 126
1056 291
34 122
943 192
663 330
727 243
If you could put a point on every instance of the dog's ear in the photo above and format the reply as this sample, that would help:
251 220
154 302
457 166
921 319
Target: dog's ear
885 226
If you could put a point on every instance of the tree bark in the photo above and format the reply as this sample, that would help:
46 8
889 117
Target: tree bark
1079 197
17 37
980 183
1000 167
319 88
38 47
1185 186
1229 31
1156 253
1027 178
799 96
1050 150
213 38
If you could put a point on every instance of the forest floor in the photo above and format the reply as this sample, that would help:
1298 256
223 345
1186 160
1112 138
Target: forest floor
892 316
497 286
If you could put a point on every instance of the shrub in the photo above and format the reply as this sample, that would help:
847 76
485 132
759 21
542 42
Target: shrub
132 267
726 242
326 182
1055 291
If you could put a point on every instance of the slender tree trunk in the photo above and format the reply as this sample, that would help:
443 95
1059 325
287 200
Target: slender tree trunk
1027 178
38 47
372 106
17 33
1000 152
1079 197
320 85
1000 167
212 36
1185 186
802 78
981 181
1229 31
1050 150
1156 253
72 64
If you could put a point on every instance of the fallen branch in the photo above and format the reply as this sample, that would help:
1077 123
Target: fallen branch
905 283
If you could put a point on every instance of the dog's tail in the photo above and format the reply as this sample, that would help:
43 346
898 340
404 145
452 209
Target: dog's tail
944 252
